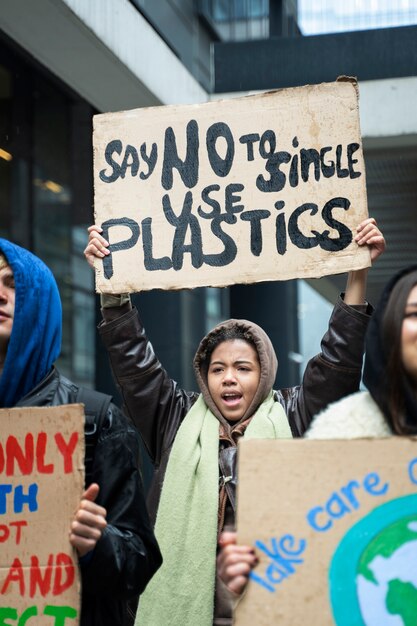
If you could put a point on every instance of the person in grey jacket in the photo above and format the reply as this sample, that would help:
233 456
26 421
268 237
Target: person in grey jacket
192 438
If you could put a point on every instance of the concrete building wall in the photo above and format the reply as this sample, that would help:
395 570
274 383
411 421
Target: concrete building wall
103 49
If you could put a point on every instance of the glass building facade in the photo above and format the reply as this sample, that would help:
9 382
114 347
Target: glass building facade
46 193
327 16
46 205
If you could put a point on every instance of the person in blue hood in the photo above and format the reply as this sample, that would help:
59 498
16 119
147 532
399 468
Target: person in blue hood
111 532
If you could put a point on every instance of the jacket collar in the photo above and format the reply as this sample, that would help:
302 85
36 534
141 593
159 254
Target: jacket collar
44 392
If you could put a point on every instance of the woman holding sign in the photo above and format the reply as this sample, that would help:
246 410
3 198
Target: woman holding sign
192 437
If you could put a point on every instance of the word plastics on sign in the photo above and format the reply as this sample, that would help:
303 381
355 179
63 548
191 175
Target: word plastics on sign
258 188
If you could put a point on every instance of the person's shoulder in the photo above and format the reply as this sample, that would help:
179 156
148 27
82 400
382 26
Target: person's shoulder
102 415
65 383
118 420
351 417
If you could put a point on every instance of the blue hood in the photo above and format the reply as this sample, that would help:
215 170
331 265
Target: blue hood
35 342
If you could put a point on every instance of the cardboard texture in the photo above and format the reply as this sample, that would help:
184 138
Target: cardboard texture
265 187
42 480
334 524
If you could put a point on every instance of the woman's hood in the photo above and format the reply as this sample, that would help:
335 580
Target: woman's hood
267 359
35 342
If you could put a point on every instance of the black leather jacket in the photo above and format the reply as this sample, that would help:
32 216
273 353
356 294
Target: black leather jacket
127 555
157 405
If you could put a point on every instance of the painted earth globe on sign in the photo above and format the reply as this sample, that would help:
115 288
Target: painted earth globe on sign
373 572
387 576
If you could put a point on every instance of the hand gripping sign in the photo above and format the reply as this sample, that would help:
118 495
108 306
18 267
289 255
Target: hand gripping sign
266 187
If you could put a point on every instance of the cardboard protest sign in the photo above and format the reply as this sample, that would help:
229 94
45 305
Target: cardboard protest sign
266 187
334 524
42 479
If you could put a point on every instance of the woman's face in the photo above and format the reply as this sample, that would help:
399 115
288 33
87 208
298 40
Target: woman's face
7 302
409 336
233 377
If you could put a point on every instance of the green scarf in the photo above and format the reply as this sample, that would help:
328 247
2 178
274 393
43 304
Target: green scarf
182 591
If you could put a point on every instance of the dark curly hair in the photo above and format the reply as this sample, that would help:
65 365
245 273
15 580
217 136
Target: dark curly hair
224 334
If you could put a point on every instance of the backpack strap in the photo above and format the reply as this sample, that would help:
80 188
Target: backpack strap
96 405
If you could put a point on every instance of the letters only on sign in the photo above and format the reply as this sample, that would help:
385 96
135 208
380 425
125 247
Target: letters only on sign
42 479
265 187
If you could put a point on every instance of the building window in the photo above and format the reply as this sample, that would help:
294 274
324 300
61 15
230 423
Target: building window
217 306
234 20
317 17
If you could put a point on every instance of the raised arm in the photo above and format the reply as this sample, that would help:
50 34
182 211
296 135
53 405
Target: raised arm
367 234
336 371
153 401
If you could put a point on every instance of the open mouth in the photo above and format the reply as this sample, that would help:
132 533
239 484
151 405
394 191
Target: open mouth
231 398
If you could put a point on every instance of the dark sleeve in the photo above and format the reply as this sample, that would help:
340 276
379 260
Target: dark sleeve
127 555
152 400
333 373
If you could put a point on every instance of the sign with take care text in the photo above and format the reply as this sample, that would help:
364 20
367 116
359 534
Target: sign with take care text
334 524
